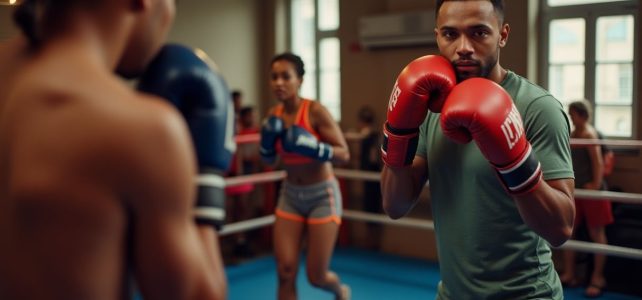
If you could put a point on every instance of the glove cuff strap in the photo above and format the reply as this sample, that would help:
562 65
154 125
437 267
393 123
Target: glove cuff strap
210 201
399 146
522 176
325 152
209 216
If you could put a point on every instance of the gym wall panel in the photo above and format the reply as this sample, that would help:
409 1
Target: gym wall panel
229 32
368 75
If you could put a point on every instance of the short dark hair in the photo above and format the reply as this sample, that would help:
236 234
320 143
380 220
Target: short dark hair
498 5
236 94
36 18
582 108
366 115
246 110
292 58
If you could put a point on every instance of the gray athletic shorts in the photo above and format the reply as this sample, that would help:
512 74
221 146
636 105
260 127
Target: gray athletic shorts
317 203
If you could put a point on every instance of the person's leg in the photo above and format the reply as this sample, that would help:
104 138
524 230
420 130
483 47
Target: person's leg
598 215
321 241
323 228
372 204
287 243
598 282
287 234
245 213
568 275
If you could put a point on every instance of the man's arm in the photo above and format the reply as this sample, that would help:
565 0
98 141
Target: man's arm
172 258
549 210
597 163
401 186
422 85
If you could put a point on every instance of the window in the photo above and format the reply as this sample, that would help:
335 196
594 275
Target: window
314 25
590 52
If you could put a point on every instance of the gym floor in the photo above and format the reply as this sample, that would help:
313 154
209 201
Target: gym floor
371 275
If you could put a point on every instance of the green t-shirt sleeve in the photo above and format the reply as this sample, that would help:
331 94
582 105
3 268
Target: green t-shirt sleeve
548 130
422 147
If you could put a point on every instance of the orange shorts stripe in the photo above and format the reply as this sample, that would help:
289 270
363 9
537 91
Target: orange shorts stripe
328 219
289 216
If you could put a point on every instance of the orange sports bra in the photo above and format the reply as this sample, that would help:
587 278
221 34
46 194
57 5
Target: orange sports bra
301 119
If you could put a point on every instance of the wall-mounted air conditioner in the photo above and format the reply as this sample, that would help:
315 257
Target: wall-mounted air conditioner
397 30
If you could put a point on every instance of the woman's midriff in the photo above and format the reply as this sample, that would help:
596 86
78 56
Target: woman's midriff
305 174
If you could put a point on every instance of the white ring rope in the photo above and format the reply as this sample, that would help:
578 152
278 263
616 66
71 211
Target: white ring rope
376 176
608 142
427 224
355 137
247 225
611 250
255 178
603 249
608 195
384 219
358 174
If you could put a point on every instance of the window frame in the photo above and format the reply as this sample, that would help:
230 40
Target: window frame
318 36
590 13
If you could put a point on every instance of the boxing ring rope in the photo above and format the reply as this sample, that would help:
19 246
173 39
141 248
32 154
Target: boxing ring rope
247 225
629 198
618 143
355 137
611 250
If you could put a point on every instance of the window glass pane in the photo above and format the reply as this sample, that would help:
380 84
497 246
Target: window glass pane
575 2
303 42
566 41
309 87
614 120
614 41
566 82
330 80
614 84
328 14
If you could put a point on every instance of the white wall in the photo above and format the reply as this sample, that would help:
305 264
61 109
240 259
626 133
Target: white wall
228 31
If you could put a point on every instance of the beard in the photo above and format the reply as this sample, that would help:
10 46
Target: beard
484 68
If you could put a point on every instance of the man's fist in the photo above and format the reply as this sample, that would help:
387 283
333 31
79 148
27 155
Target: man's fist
481 110
423 84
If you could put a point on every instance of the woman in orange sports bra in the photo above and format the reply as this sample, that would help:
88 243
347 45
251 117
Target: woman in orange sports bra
306 139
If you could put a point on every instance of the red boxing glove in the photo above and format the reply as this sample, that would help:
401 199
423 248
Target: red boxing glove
423 84
480 109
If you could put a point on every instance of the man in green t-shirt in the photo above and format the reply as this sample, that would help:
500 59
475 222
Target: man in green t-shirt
498 202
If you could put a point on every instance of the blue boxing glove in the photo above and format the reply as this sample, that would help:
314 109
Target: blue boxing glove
186 80
271 130
298 140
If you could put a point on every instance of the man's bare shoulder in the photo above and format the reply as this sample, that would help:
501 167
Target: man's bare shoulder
156 158
147 131
121 134
146 115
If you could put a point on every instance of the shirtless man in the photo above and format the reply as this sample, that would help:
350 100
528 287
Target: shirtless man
96 180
